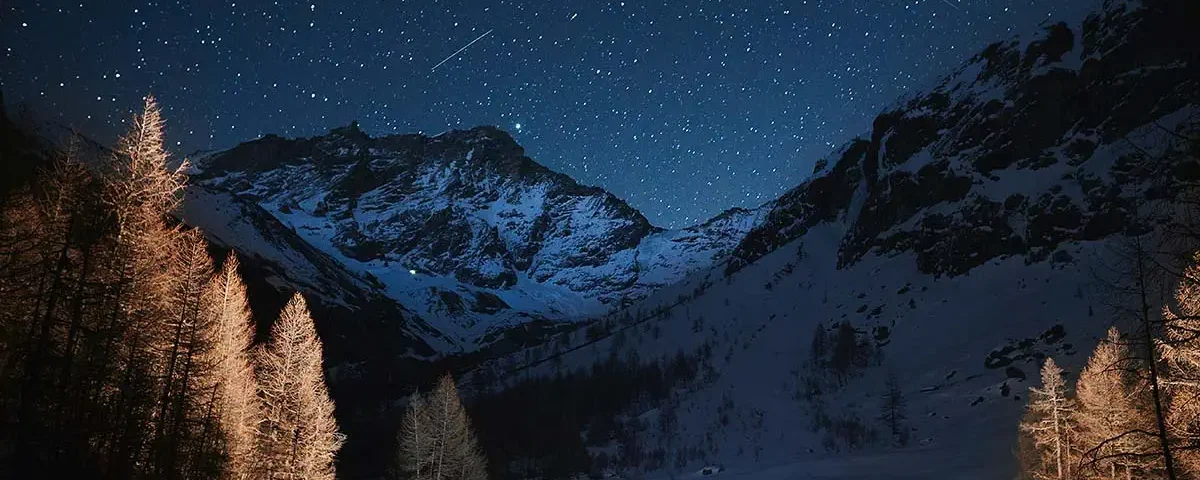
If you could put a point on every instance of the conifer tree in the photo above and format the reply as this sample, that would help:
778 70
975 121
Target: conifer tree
1113 424
415 458
37 303
85 311
299 436
892 410
237 394
819 346
1179 350
1048 423
122 356
141 190
436 440
845 350
1140 276
183 348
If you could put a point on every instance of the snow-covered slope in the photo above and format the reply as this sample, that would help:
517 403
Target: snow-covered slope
461 228
364 328
1001 157
960 237
947 340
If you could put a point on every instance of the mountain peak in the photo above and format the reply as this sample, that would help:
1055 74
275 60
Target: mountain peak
463 227
480 133
351 131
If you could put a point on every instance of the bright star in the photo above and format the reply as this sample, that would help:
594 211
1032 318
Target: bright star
518 126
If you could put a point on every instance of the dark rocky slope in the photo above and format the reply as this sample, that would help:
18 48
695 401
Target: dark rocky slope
1000 158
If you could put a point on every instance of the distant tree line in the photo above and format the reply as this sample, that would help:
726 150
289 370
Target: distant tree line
532 429
835 356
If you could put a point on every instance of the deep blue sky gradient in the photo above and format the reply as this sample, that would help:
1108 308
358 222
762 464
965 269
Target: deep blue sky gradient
684 108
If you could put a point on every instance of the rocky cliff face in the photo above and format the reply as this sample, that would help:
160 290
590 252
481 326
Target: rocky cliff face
966 237
1031 143
462 228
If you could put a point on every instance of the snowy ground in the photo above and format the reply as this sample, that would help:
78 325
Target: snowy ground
964 423
924 463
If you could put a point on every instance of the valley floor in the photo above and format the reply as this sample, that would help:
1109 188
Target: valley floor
917 463
969 455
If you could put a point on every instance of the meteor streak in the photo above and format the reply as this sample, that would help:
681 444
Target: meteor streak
452 55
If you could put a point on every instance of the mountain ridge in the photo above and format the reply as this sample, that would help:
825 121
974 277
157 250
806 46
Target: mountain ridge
964 238
956 236
463 228
1029 103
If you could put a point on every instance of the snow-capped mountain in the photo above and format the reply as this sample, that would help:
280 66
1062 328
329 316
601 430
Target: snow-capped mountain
1000 158
280 261
461 228
961 238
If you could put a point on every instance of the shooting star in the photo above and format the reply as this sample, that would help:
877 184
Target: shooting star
951 4
452 55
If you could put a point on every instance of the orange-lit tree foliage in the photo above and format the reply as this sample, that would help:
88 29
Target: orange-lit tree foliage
299 436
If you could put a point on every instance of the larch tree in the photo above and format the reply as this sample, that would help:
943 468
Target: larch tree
1114 429
236 392
183 344
892 410
298 436
819 347
1136 278
1049 428
143 190
38 301
436 440
86 308
15 245
80 313
140 190
121 356
845 350
1179 350
415 458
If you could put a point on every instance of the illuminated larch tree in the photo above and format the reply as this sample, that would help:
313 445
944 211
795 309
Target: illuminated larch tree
298 436
1048 428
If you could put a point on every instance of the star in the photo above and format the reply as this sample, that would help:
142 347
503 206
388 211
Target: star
624 93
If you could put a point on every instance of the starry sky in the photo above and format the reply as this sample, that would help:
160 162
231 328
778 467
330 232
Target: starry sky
684 108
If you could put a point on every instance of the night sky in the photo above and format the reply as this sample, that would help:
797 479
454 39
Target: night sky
684 108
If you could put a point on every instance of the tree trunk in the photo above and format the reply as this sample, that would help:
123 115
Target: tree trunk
202 449
37 359
76 315
1058 439
111 330
121 454
181 401
161 442
70 419
1168 463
